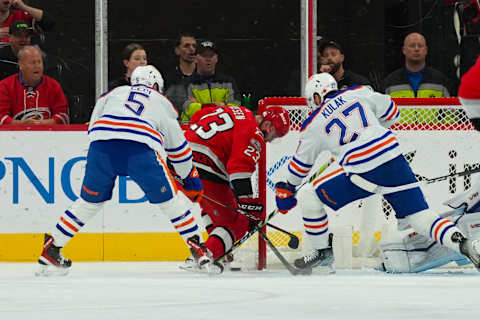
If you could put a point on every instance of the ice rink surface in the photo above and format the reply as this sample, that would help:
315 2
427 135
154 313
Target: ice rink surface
159 290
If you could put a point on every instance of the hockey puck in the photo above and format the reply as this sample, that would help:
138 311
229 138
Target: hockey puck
235 269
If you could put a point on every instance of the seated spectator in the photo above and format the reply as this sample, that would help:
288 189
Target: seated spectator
133 55
177 78
332 54
29 97
207 87
20 36
415 79
13 10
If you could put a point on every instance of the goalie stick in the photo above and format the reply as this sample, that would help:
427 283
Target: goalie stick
375 188
292 243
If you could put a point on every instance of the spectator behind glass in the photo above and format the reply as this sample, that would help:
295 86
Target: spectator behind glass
415 79
207 87
20 36
333 55
177 78
133 55
12 10
29 97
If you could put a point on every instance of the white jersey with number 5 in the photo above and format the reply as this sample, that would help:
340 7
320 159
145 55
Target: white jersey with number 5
141 114
353 126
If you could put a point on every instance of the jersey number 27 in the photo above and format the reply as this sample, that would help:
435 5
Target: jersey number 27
351 118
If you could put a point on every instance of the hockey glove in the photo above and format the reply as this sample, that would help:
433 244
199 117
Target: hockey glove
192 186
285 196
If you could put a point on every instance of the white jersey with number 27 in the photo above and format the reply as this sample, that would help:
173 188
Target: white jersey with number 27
353 125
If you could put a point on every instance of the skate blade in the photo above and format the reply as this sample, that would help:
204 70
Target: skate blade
206 269
51 271
189 268
323 270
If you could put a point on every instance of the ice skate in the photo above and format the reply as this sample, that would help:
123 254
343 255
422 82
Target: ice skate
201 259
51 261
471 249
316 258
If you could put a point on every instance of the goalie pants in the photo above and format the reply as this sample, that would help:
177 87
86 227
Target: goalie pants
224 225
336 190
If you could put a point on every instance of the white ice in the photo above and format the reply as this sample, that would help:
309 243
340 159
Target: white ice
159 290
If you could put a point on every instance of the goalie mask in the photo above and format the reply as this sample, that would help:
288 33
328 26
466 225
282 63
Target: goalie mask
321 84
279 118
147 76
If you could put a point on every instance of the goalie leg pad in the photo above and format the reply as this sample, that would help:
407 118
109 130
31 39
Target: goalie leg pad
429 224
73 220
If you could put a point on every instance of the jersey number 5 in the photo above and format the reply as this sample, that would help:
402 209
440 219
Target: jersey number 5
135 105
345 124
219 121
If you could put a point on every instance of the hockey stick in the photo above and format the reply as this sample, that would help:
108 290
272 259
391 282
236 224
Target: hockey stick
247 235
292 243
375 188
293 270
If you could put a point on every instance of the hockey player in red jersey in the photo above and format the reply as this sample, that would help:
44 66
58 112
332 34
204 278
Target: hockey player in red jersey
226 144
469 93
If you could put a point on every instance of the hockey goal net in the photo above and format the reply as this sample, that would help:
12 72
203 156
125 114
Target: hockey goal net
436 138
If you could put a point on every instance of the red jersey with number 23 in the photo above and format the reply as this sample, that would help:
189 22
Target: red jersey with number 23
226 141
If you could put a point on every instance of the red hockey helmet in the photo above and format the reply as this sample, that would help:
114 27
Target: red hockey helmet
279 118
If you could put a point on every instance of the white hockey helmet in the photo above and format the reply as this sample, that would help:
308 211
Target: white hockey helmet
148 76
321 84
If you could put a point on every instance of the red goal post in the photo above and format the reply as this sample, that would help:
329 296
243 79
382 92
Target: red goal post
437 138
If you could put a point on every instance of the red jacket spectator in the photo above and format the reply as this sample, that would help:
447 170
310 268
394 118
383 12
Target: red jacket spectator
45 101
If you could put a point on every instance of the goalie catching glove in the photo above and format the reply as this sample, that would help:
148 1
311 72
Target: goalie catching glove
285 196
192 186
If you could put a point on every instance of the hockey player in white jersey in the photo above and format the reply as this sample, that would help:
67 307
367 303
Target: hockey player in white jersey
353 125
131 129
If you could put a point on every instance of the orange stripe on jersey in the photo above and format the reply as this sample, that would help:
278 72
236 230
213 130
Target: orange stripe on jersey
192 219
139 126
68 224
327 176
378 146
165 168
93 193
181 154
293 164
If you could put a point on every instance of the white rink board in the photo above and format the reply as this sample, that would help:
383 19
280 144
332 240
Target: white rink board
47 154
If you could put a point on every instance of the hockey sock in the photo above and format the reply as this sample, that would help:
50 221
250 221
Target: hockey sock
429 224
317 230
181 217
219 241
73 220
186 225
207 222
315 218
